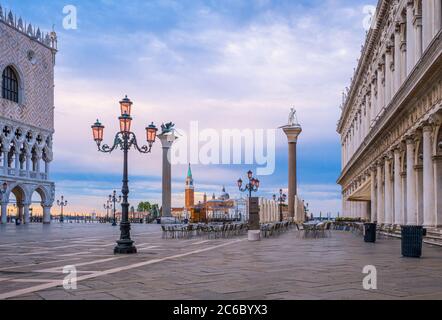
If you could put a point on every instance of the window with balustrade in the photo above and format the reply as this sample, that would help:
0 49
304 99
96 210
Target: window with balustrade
10 85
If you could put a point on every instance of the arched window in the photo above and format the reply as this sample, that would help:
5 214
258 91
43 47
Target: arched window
10 84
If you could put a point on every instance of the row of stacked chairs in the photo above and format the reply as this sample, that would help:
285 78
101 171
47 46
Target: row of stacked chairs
204 231
273 229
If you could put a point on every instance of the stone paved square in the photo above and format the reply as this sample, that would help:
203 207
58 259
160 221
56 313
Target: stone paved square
285 267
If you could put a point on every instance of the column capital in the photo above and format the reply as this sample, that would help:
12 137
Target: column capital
427 126
379 164
410 139
292 133
435 119
388 156
389 46
167 140
397 149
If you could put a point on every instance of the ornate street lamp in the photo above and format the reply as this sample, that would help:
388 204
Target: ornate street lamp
113 198
125 140
252 186
107 207
281 201
62 203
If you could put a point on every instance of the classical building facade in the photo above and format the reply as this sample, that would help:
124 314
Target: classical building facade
27 59
391 119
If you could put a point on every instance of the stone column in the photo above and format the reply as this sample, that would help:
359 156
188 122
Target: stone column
4 213
397 58
373 102
404 196
47 167
427 23
28 163
398 216
388 192
388 74
17 163
438 189
368 211
368 115
37 165
411 34
428 179
26 213
380 197
5 162
403 52
381 96
46 213
419 170
21 213
373 195
418 44
292 133
411 184
167 140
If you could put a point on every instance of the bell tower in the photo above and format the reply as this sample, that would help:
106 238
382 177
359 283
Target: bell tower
190 192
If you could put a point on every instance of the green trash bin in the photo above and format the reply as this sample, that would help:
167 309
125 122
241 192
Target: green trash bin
370 232
412 238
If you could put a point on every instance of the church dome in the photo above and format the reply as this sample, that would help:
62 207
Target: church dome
224 195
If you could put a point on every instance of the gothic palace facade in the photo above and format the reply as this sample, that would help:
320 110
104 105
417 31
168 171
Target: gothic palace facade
390 126
27 58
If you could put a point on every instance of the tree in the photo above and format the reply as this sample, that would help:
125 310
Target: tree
144 207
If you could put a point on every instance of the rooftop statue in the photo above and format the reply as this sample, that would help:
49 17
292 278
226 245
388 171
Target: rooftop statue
293 121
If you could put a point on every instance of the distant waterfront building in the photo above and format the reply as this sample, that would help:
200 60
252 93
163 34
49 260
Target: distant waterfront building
221 207
391 119
27 59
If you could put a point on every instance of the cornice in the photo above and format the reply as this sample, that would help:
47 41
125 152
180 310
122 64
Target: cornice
373 37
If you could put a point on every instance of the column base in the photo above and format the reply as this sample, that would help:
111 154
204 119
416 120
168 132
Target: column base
254 235
125 247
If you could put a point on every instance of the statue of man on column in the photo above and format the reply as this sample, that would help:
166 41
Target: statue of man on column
293 121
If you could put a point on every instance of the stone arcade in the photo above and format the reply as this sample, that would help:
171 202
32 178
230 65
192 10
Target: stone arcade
391 119
27 58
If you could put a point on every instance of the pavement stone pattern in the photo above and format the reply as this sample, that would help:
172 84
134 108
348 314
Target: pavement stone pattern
285 267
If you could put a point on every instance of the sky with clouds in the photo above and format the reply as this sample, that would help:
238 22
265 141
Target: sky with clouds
227 64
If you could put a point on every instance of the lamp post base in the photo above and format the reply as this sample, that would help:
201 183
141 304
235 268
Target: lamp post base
125 247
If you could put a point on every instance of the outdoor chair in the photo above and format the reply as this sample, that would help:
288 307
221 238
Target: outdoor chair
163 228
